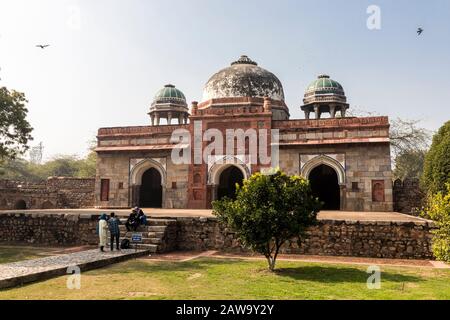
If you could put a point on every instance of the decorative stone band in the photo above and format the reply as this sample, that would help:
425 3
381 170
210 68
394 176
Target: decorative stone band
382 122
137 131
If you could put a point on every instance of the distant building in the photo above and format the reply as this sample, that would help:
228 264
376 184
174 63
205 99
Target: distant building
346 159
36 153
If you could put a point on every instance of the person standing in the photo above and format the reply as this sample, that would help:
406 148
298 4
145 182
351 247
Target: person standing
103 231
114 230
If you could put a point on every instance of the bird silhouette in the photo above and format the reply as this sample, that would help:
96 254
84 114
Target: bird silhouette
419 31
43 46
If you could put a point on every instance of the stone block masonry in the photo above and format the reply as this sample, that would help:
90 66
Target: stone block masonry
374 239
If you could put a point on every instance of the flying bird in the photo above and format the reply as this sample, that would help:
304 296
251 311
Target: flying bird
43 46
419 31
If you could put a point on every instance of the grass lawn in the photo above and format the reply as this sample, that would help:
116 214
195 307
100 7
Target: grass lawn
212 278
18 253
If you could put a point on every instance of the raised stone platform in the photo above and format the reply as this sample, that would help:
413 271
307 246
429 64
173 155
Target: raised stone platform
192 213
18 273
337 233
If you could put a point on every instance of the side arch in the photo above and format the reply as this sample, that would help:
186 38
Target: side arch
324 160
136 180
139 169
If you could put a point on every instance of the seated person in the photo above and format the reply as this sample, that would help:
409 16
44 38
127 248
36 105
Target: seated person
142 218
132 222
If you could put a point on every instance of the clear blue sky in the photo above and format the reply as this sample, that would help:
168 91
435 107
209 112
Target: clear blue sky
105 70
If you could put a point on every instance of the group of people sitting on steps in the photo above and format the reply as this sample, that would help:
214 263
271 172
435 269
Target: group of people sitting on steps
111 224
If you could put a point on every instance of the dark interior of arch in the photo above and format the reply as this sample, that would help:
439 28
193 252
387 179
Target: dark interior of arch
228 180
150 195
325 186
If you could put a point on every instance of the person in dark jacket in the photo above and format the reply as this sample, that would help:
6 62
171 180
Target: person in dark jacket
132 222
142 218
113 224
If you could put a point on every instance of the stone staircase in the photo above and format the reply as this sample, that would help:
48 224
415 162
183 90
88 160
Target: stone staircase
159 235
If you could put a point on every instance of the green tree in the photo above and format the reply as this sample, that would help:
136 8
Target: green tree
437 162
438 209
409 164
15 131
268 211
87 166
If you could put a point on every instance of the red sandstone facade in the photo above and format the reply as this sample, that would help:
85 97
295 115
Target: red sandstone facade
346 159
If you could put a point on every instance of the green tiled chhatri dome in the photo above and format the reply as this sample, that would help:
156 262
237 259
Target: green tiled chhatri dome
325 85
324 95
168 94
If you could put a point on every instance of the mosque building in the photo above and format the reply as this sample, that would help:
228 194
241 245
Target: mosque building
347 159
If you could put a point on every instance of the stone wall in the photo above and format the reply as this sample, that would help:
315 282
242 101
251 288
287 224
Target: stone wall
54 193
48 229
377 239
363 164
406 240
408 196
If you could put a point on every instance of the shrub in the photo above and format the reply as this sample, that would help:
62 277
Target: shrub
268 211
438 209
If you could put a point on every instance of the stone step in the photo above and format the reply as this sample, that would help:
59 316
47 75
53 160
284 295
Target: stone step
156 240
158 234
157 228
160 222
144 240
139 230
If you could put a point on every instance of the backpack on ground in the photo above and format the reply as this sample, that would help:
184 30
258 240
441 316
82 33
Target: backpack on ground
125 244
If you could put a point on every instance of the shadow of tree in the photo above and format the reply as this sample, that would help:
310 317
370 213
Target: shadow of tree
339 274
172 266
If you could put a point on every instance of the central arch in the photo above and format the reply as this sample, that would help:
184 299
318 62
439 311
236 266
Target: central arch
150 193
227 182
325 186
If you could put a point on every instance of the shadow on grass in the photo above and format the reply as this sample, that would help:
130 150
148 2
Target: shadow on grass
316 273
339 274
169 266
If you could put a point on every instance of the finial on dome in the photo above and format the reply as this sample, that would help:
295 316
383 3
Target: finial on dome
169 86
323 76
244 60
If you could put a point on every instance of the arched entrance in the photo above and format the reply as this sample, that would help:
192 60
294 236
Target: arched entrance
150 195
227 182
20 204
325 185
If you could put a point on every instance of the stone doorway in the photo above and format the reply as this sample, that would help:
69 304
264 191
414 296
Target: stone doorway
325 185
150 193
227 182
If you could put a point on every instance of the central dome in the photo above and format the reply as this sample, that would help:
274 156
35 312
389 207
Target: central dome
243 79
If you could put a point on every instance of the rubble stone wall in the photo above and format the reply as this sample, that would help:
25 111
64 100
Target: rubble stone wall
54 193
377 239
408 196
